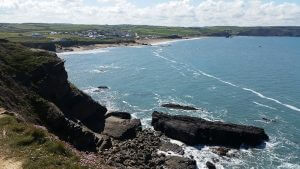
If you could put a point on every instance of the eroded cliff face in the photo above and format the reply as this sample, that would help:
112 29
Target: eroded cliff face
51 82
35 85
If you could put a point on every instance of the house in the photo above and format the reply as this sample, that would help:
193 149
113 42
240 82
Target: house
37 35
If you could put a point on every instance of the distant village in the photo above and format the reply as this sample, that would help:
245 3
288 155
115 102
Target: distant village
92 34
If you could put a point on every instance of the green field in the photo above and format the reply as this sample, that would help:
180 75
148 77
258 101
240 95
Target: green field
71 34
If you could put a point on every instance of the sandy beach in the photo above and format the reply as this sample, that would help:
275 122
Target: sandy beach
140 42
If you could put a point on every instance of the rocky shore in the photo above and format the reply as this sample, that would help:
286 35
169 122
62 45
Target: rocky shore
35 85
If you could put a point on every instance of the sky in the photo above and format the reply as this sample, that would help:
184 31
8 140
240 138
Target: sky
154 12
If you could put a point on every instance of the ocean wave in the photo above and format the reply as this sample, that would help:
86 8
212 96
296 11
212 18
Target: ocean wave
196 73
272 99
289 165
219 79
90 90
93 51
110 66
201 154
263 105
174 41
162 57
97 71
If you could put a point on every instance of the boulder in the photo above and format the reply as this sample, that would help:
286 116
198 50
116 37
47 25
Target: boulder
121 115
210 165
221 151
192 131
121 129
177 106
167 146
176 162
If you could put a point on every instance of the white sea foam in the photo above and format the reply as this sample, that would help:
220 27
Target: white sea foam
212 88
263 105
110 66
272 99
289 166
219 79
94 51
90 90
160 56
195 73
174 41
98 71
202 154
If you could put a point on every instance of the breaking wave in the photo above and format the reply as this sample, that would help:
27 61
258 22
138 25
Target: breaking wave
272 99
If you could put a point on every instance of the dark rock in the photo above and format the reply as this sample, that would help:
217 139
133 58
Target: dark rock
51 82
210 165
221 151
177 106
121 115
103 143
103 87
174 162
192 131
138 152
268 120
78 135
167 146
121 128
215 160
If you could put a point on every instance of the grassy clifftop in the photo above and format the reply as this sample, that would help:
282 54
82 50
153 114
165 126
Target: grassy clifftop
23 59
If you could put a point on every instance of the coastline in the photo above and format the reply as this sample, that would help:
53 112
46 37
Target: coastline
140 42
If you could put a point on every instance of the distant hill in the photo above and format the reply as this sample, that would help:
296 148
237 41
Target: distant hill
49 36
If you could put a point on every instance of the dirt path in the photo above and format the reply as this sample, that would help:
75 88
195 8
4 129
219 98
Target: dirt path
9 163
2 110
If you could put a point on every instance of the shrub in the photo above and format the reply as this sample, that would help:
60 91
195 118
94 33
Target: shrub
59 149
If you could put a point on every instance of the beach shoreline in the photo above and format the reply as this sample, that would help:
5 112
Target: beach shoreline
139 42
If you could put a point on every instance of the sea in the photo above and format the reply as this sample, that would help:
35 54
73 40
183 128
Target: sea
244 80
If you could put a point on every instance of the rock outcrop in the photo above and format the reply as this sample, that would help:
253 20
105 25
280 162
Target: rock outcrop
175 162
178 106
121 115
51 82
210 165
121 128
192 131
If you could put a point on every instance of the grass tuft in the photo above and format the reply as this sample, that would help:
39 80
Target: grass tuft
36 147
59 149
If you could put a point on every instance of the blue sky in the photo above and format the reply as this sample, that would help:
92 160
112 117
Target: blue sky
154 12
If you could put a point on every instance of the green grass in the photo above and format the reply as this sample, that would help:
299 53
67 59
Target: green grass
36 147
22 32
23 59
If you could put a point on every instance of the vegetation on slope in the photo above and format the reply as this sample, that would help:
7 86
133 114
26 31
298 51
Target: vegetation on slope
34 146
23 59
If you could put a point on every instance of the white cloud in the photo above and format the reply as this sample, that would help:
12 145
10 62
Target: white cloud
172 13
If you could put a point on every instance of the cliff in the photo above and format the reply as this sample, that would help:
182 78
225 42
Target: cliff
35 85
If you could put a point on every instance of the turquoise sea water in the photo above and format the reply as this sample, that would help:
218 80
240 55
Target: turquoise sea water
239 80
